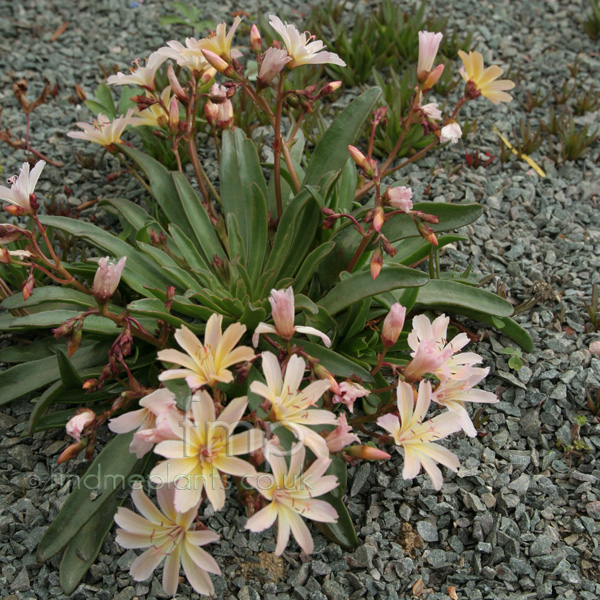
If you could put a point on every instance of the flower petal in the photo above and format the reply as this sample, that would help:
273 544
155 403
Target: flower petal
263 519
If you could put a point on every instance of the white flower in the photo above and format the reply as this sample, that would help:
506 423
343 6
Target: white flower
22 188
450 133
432 111
103 131
142 76
302 50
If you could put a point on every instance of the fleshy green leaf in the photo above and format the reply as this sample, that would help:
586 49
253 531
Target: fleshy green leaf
331 152
342 532
68 373
107 473
358 286
140 271
443 295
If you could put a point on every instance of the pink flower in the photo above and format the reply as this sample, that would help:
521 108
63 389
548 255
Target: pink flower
79 422
107 278
255 39
301 49
283 308
392 325
433 354
272 64
168 534
341 437
349 393
450 133
417 436
429 44
293 495
400 198
453 393
225 114
432 111
151 421
22 189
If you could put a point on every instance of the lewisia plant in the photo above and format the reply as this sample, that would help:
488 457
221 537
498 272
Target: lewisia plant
250 335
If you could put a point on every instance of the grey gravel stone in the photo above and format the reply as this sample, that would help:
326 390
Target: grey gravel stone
427 531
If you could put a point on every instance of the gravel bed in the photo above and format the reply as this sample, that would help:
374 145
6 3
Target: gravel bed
521 519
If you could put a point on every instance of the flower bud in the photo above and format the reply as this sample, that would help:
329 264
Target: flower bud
214 60
283 308
368 166
367 453
426 233
211 113
176 86
208 75
225 115
341 436
28 286
322 373
329 88
71 451
378 219
255 40
9 233
376 262
174 115
429 43
433 77
392 325
107 278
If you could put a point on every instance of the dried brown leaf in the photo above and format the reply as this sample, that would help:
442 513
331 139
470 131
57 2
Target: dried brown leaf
80 93
59 31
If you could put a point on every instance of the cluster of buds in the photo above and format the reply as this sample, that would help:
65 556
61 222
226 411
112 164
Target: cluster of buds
367 165
218 109
72 330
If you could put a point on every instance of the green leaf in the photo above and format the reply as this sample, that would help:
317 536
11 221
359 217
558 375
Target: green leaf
342 532
50 293
334 362
451 216
54 318
260 233
108 473
84 547
153 307
412 250
188 249
360 285
505 325
294 236
68 373
202 228
27 377
310 265
140 271
162 186
331 152
42 348
443 295
240 168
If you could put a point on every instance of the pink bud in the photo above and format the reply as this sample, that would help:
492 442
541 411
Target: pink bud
208 75
107 278
367 453
255 39
211 112
70 452
282 305
378 219
214 60
225 115
322 373
399 197
433 77
79 422
376 263
176 86
392 325
174 115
